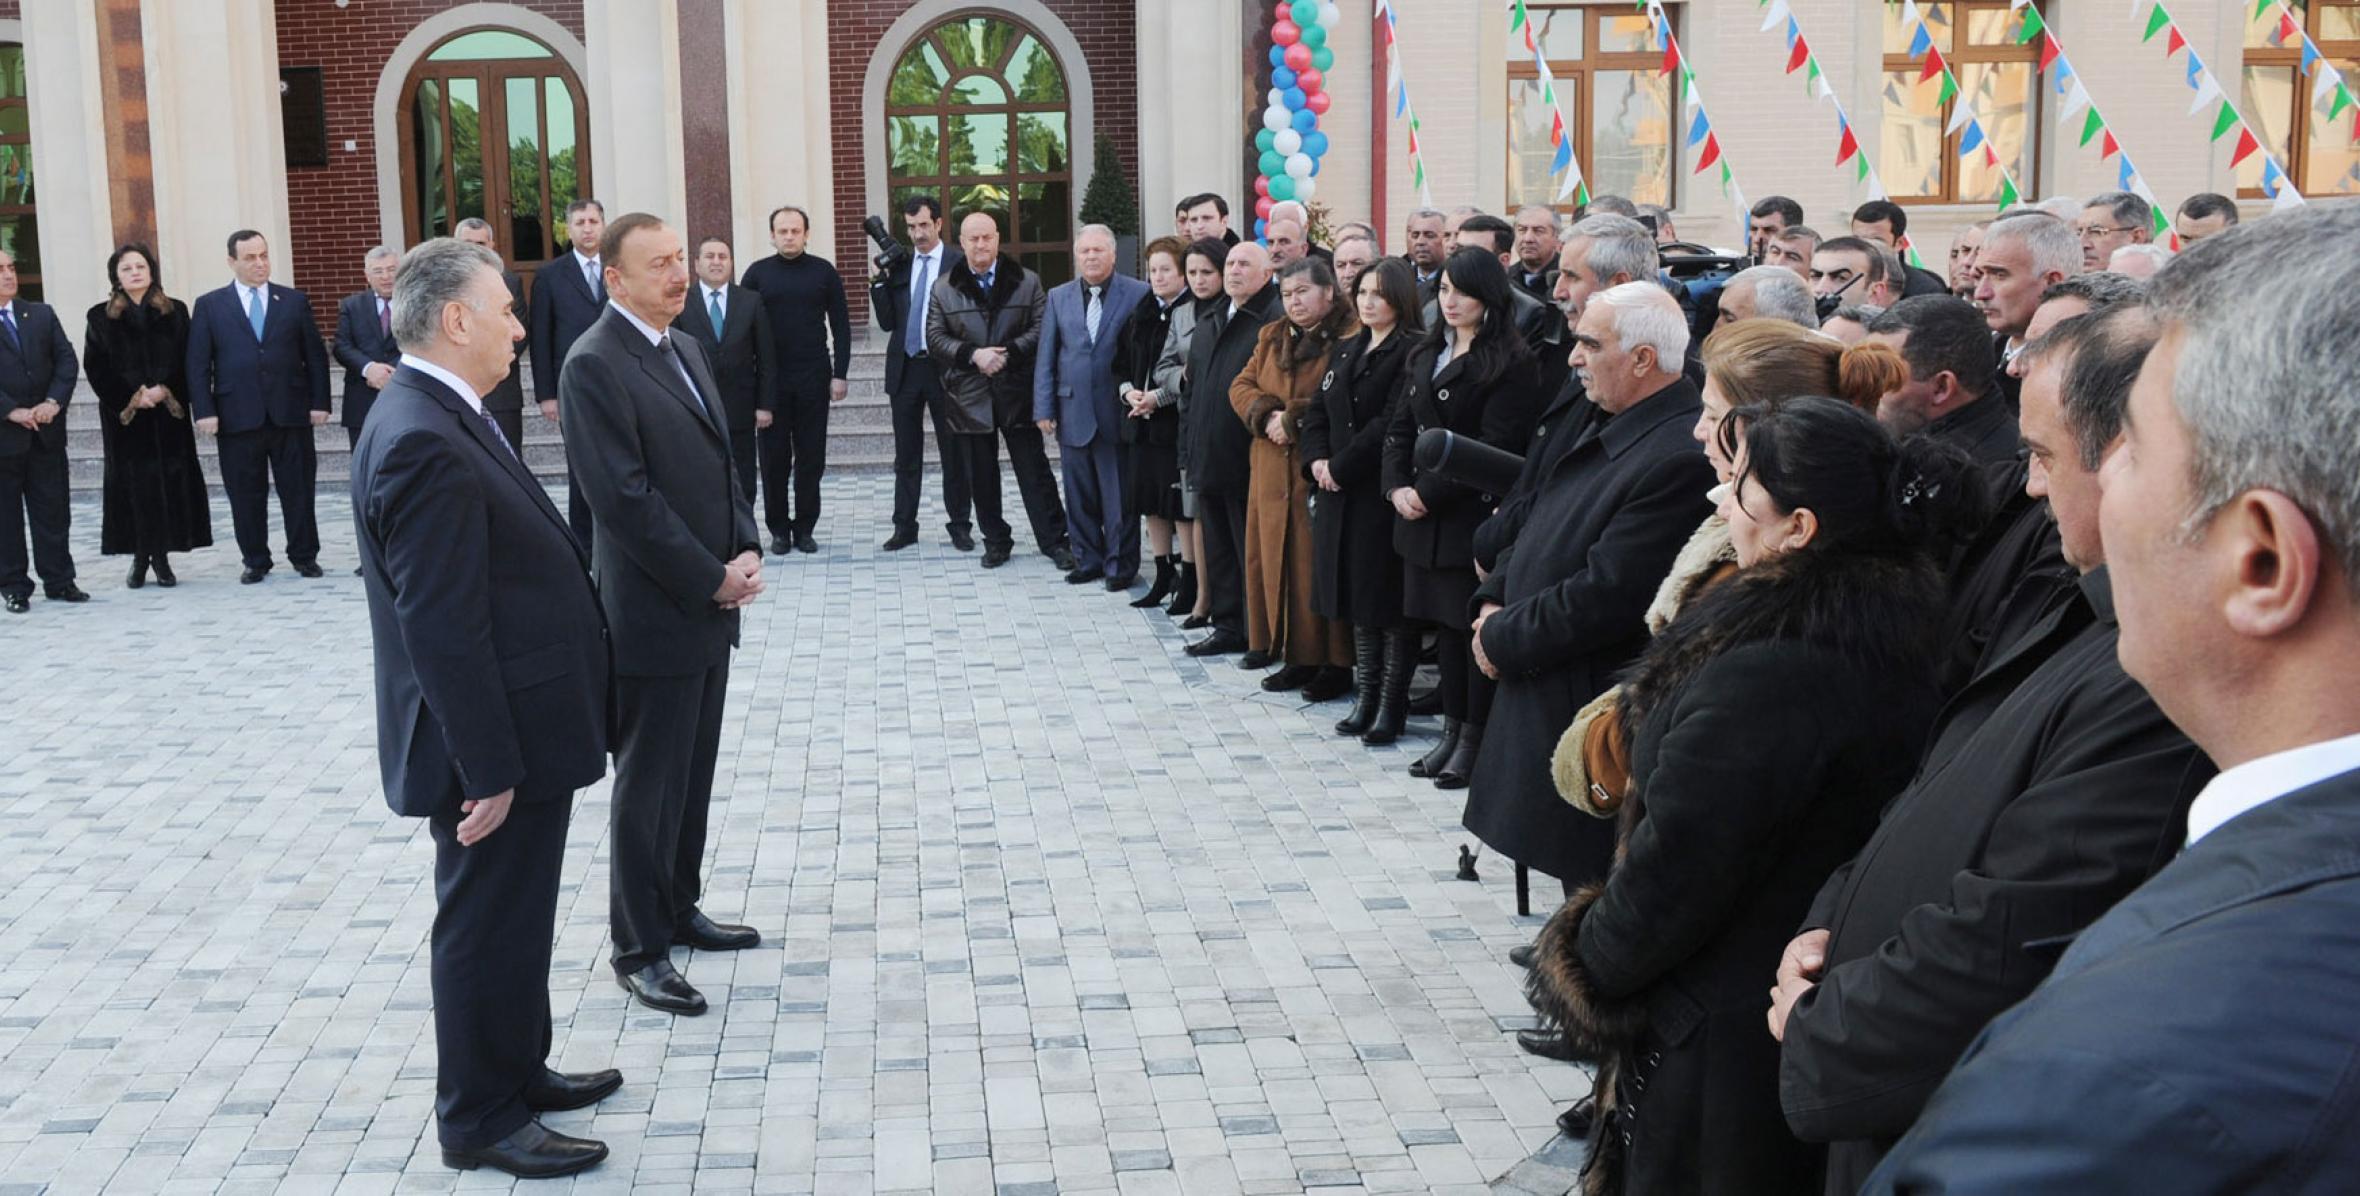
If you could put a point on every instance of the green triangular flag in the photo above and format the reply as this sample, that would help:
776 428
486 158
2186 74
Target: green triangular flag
2343 100
2163 227
2091 127
1860 168
2157 22
1949 88
2032 25
1517 22
2224 121
1581 194
2008 194
1811 77
2262 8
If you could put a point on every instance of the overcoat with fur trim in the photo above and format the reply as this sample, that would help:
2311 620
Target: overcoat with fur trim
962 317
1771 721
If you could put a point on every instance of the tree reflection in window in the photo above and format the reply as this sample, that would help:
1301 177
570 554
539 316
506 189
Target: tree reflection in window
19 230
494 130
976 118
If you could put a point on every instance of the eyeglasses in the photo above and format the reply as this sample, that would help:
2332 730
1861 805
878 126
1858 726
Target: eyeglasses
2097 231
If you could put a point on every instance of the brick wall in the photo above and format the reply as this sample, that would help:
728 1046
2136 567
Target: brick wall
11 10
332 210
1108 33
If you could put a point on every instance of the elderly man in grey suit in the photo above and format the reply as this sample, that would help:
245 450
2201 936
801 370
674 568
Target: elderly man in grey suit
677 555
1074 401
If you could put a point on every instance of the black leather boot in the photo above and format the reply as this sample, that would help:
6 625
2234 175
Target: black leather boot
1400 661
1431 763
1368 663
139 567
163 566
1461 766
1183 591
1165 578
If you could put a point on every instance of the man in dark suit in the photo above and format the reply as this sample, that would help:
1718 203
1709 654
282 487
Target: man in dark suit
2199 1037
258 378
729 322
569 295
1073 401
364 339
898 294
2051 788
37 370
492 705
1216 442
506 402
1537 242
677 555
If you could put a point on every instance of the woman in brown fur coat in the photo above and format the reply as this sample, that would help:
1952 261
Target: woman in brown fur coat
1769 722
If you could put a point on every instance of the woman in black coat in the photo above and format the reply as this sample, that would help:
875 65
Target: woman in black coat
1151 427
134 351
1358 576
1474 376
1769 724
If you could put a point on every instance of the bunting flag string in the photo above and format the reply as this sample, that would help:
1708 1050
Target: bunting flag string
1701 138
1973 140
1562 162
1777 14
1402 111
2328 84
2208 91
2066 83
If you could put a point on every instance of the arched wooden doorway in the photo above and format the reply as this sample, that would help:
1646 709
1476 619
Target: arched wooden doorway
494 125
978 116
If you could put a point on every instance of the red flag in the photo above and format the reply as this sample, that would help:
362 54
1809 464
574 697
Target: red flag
2108 149
2246 145
1711 154
1802 54
1933 65
1990 155
2049 51
2288 31
1849 146
2176 44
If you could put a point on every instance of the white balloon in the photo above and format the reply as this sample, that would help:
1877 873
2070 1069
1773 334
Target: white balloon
1276 98
1329 14
1288 142
1299 165
1275 117
1306 188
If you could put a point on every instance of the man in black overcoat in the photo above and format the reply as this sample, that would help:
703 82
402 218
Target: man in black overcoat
677 556
1562 612
2052 787
492 703
364 343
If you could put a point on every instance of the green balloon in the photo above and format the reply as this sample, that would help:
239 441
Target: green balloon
1273 163
1315 37
1306 13
1321 56
1282 184
1265 141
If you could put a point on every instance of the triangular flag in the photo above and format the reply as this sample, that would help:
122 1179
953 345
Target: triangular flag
2108 148
1793 31
2343 100
2287 29
1712 153
2328 82
1861 171
1519 18
2223 121
1933 66
1920 42
2032 26
1698 129
2077 99
1564 157
1909 14
2206 92
2008 195
1990 156
2246 145
2196 69
2270 176
1813 77
2310 55
1973 138
2123 177
1671 57
1825 92
1959 116
2091 126
1846 146
1949 89
2157 224
2050 52
1801 55
2287 197
1778 12
2157 21
2175 43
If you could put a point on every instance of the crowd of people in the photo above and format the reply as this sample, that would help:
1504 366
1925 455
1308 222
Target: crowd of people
1962 660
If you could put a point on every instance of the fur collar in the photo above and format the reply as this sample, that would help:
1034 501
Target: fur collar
1007 275
1706 558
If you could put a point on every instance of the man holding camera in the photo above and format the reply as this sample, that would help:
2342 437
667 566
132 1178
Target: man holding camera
898 291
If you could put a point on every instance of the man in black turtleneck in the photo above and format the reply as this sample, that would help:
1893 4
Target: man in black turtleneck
804 297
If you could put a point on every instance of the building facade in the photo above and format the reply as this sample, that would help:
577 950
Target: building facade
336 125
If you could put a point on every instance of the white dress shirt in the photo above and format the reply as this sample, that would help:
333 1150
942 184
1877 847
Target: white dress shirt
447 378
713 295
247 295
2258 782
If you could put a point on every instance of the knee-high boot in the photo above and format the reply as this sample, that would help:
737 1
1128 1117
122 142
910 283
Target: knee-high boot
1392 714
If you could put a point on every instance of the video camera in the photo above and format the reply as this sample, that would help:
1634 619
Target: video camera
1700 273
1467 461
891 254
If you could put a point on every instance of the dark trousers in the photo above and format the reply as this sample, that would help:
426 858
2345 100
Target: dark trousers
1223 571
33 489
251 462
977 455
1466 692
794 456
670 734
577 508
920 398
743 457
1036 484
1105 532
495 914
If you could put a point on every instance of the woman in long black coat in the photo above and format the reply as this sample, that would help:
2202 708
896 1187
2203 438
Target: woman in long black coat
135 352
1151 424
1357 578
1770 722
1474 376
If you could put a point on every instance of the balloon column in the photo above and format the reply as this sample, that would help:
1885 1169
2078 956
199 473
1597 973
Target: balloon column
1290 142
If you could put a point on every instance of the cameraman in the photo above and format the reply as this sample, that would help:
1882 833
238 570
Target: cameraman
898 290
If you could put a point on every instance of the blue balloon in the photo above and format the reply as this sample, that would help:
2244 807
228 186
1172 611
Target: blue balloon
1314 164
1315 143
1306 120
1295 99
1265 140
1261 230
1282 78
1278 56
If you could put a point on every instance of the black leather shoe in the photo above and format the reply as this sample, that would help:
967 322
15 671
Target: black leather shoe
1523 956
1220 643
1550 1043
995 555
1196 622
779 546
138 578
250 576
1117 585
163 567
65 592
962 541
804 542
1328 684
705 934
1257 659
1062 558
900 539
307 569
1430 764
356 570
660 986
533 1152
1083 577
1292 677
555 1091
1577 1118
1459 771
19 603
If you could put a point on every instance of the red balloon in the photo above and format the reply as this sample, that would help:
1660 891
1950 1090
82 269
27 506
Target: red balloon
1285 33
1284 10
1263 205
1262 186
1309 80
1318 103
1298 58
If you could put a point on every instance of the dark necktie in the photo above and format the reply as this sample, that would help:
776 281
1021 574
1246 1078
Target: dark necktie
664 346
8 320
384 318
497 434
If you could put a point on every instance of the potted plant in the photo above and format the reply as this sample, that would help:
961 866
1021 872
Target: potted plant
1108 200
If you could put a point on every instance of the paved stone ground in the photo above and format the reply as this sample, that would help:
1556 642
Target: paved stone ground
1048 907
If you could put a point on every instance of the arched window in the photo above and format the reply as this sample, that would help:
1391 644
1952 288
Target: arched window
19 233
494 126
976 117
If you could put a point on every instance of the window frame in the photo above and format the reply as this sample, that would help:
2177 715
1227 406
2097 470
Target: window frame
1960 52
1577 78
2343 55
491 76
28 282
